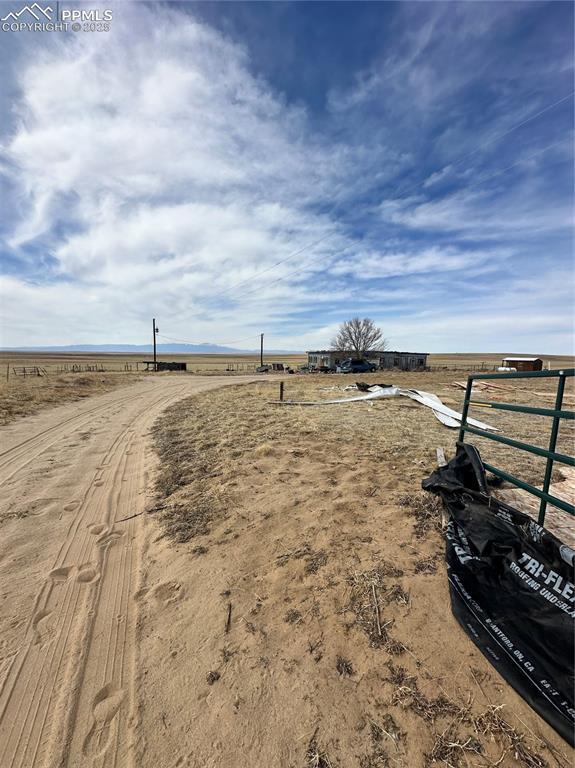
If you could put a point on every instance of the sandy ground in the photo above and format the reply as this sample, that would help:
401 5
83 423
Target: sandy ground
295 610
72 480
282 604
20 397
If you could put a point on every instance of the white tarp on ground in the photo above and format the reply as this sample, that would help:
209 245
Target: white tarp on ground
446 415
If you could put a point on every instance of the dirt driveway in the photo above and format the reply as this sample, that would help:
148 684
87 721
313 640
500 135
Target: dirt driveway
73 482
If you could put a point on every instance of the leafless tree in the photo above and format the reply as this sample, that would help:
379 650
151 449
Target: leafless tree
359 336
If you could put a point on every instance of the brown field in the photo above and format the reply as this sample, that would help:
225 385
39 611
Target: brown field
25 396
270 591
280 527
56 362
21 396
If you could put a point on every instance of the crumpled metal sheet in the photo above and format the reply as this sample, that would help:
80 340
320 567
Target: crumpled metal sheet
446 415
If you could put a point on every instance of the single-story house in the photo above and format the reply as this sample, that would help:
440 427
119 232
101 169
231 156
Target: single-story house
332 358
405 361
523 363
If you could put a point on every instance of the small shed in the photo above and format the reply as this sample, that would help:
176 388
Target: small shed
160 365
523 363
405 361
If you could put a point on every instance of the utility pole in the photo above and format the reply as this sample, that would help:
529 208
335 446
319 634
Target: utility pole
261 350
155 329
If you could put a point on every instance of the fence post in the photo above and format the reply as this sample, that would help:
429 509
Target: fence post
465 408
281 391
552 446
8 372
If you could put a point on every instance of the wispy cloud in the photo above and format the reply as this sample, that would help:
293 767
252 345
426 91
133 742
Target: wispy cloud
153 169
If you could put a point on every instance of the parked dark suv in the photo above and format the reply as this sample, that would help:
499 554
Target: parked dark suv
356 365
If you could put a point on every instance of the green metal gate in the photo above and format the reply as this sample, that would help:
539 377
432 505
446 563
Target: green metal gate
550 453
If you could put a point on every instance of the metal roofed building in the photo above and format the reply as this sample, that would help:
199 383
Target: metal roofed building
329 358
404 361
161 365
523 363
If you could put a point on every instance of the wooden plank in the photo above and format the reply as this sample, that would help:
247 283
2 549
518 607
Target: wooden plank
560 523
441 462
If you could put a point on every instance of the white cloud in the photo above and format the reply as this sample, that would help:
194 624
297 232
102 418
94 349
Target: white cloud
484 214
171 166
152 170
426 261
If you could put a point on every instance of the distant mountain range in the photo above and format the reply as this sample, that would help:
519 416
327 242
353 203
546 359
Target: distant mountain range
147 349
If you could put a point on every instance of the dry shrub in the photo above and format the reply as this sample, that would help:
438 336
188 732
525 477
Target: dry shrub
294 554
490 723
450 749
391 729
265 449
315 756
398 675
426 509
387 728
344 666
408 696
426 565
397 594
293 616
187 467
366 589
182 522
315 561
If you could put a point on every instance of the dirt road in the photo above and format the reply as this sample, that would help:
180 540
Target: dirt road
73 481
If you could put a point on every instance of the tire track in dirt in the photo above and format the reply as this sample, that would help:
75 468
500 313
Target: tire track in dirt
16 458
68 696
63 596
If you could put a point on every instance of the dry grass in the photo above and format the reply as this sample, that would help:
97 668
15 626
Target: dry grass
450 748
25 396
378 755
400 430
407 695
315 756
344 666
491 723
426 509
184 484
338 570
368 590
53 362
204 363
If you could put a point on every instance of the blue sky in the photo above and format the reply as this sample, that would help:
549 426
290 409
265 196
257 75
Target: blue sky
238 167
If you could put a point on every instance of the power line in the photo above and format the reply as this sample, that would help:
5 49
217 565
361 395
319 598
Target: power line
455 163
518 162
294 272
480 181
393 196
329 235
518 125
220 343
